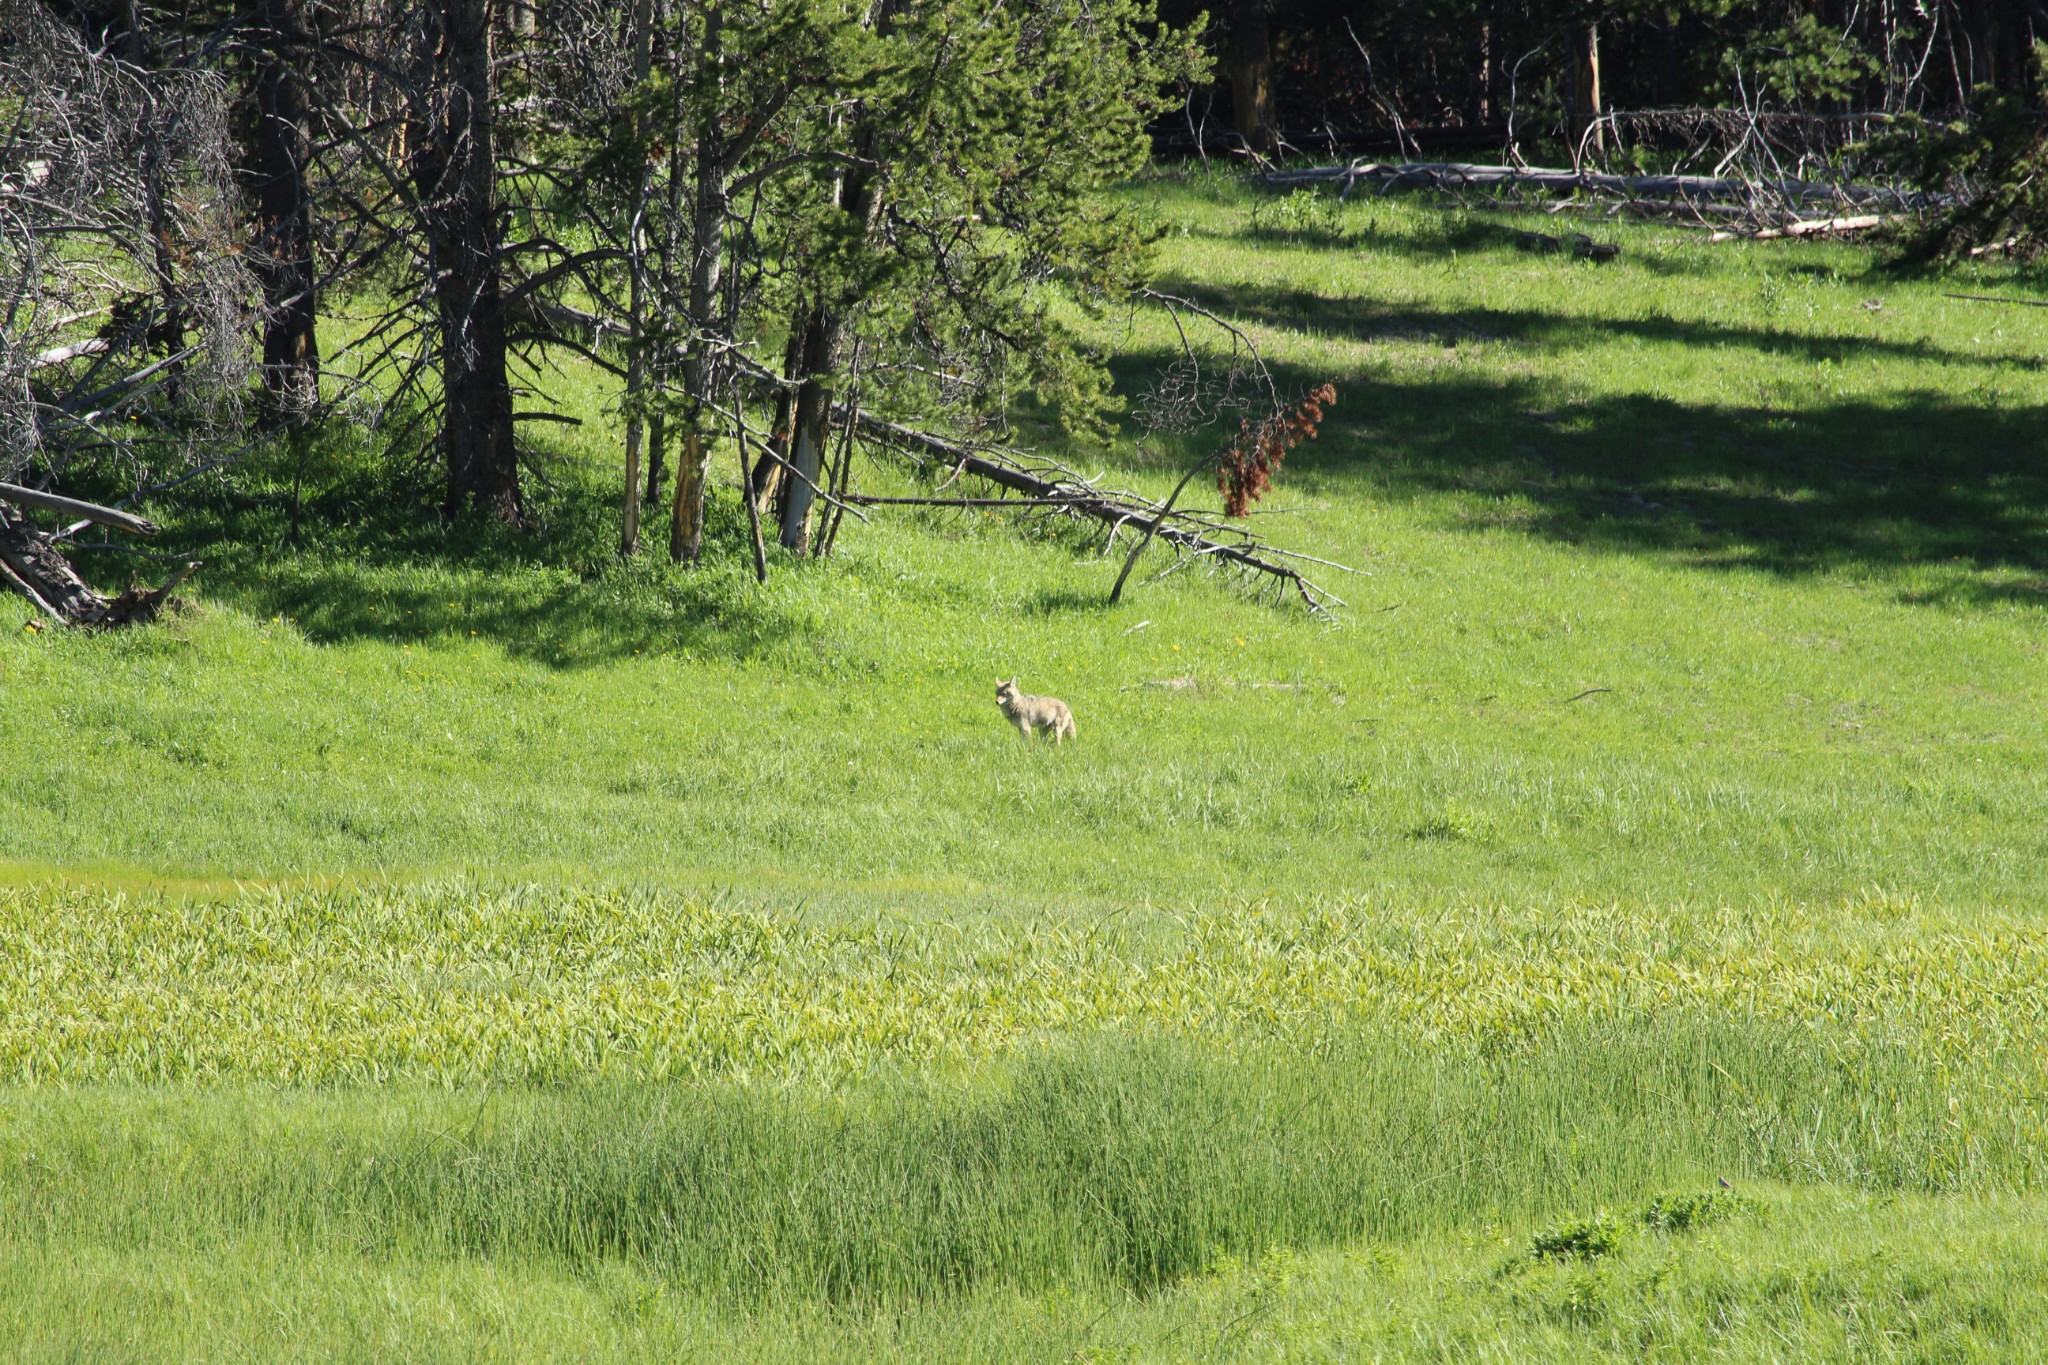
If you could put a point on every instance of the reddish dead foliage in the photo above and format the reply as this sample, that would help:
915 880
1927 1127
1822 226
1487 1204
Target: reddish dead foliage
1245 469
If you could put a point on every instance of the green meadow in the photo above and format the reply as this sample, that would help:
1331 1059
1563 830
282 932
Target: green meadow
1618 936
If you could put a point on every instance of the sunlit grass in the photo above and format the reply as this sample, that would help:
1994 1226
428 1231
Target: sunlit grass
464 983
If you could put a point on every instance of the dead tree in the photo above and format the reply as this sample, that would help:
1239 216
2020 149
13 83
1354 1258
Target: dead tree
281 153
1046 487
454 175
1251 75
124 295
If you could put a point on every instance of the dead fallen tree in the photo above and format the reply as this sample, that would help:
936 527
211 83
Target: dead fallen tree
1386 177
1044 487
1811 227
32 566
72 507
1037 485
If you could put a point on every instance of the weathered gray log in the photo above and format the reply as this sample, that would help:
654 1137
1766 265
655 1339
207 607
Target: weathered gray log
1813 227
1459 175
1999 298
24 588
72 507
58 355
1014 504
1059 490
42 575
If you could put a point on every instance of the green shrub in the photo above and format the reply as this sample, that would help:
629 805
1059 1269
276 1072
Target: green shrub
1583 1239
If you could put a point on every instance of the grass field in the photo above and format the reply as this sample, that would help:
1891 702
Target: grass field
451 945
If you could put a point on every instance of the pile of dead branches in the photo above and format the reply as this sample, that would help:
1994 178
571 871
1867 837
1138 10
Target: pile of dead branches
1772 202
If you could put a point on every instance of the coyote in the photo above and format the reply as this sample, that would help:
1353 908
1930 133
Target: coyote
1030 713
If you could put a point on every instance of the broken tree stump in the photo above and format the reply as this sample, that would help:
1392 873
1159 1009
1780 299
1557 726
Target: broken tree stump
34 568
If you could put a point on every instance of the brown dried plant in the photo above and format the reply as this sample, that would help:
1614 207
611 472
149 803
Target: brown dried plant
1244 471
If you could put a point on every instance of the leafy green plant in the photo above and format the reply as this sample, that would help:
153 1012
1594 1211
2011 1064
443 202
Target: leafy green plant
1581 1239
1687 1212
1301 214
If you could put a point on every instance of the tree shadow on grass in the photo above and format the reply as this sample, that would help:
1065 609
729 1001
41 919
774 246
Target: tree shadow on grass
1508 235
1448 231
1071 601
1800 485
363 561
1375 321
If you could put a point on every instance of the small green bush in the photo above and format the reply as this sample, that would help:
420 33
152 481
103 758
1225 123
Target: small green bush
1304 213
1582 1239
1686 1212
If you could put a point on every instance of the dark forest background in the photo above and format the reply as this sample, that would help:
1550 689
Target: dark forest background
1317 76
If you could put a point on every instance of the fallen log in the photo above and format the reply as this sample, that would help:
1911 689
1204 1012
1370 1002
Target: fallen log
1813 227
58 355
1389 176
73 507
1014 504
1191 535
1999 298
1048 485
1197 685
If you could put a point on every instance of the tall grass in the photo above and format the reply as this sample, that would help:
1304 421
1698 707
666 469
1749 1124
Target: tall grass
1121 1161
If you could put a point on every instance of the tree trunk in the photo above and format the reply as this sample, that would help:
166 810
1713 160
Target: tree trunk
636 307
706 269
455 176
685 535
657 428
1586 95
1478 75
707 266
810 426
859 197
167 332
1251 75
766 484
291 355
